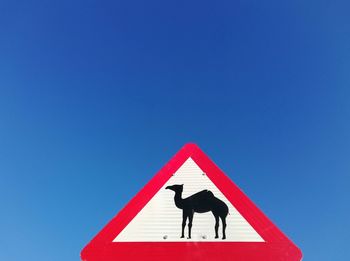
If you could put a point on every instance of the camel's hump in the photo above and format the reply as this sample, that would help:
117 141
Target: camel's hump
205 194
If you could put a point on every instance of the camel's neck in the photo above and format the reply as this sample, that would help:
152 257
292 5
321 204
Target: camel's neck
178 200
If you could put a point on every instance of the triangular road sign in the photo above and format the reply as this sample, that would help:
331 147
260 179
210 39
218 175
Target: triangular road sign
180 215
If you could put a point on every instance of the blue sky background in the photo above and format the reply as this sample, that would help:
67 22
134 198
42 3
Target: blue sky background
96 96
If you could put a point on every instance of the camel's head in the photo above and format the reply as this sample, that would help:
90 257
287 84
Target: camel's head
176 188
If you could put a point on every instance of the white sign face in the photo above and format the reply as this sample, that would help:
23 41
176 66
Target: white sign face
162 217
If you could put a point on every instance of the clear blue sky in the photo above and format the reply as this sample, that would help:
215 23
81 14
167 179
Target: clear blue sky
96 96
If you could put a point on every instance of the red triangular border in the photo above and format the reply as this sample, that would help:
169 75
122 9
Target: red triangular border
276 246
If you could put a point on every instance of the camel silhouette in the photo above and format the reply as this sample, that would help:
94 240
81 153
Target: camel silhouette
201 202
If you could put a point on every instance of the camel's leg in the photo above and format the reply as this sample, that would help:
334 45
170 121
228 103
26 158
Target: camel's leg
223 219
184 218
190 218
216 226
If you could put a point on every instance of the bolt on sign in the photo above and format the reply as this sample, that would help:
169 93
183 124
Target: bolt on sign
190 210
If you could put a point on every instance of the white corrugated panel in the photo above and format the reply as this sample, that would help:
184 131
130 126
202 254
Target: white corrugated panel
160 219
